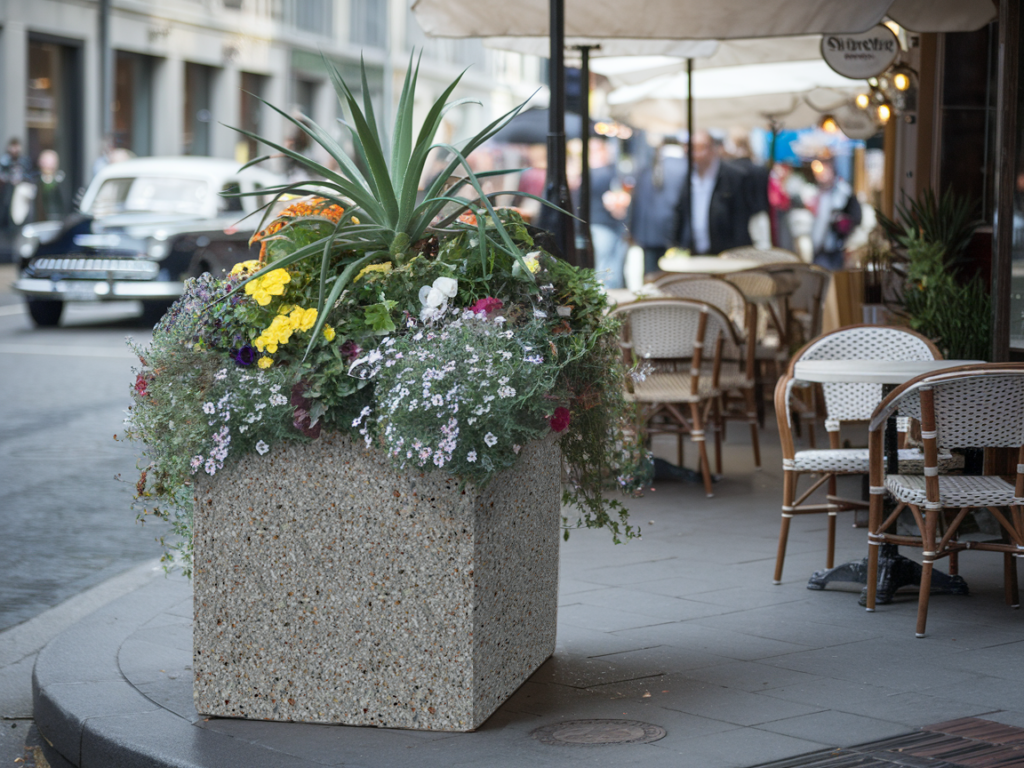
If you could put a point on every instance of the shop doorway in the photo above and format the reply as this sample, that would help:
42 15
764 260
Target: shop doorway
53 107
133 107
197 114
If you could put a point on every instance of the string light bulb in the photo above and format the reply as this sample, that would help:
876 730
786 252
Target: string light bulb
862 101
884 113
900 81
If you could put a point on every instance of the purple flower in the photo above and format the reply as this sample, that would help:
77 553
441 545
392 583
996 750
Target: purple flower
244 355
350 350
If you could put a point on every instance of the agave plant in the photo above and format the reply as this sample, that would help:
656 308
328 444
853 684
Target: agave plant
382 216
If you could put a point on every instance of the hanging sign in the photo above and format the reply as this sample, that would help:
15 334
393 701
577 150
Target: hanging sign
867 54
855 123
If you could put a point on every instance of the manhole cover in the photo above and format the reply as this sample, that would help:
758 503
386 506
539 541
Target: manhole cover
597 733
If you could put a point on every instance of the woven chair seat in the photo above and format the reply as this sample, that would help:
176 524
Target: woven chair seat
671 388
854 461
954 490
731 377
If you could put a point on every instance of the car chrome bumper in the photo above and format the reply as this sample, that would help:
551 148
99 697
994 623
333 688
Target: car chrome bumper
97 290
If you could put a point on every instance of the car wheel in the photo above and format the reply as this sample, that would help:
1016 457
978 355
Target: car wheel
45 314
152 311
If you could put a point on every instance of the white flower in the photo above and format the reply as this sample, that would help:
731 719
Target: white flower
197 462
278 400
208 408
221 374
471 456
504 392
490 439
564 311
210 466
516 448
276 388
499 320
448 286
262 448
540 314
170 424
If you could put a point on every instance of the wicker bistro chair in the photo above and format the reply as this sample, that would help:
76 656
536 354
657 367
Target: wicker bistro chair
843 402
738 364
675 335
980 406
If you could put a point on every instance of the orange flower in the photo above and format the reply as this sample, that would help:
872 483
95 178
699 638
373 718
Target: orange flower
468 218
306 206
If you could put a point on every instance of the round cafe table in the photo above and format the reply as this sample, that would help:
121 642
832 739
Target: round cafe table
705 265
894 570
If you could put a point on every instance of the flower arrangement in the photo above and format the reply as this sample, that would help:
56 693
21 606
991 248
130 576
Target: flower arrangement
446 340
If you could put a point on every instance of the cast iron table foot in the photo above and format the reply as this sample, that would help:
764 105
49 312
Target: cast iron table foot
894 571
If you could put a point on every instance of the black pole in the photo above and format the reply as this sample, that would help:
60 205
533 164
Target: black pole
557 185
586 250
1007 149
689 152
106 72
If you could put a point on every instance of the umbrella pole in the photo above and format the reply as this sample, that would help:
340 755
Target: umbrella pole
689 152
586 254
557 185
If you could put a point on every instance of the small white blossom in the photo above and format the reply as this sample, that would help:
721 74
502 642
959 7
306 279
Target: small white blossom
208 408
490 439
471 456
262 448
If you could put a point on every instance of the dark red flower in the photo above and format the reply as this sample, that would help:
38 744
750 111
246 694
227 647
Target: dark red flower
487 305
302 421
350 350
141 382
559 420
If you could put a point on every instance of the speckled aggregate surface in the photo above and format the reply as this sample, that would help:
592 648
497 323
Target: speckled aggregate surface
331 589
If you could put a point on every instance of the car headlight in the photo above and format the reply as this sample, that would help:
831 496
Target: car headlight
43 232
157 249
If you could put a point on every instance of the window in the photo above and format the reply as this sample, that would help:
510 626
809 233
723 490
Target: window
197 116
152 194
133 84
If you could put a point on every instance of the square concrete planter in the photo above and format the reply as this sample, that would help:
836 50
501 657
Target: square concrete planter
330 588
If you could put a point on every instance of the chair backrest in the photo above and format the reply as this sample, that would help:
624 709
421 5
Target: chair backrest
718 293
672 329
809 295
856 402
761 255
973 406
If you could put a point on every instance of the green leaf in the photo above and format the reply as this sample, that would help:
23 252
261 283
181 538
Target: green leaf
378 316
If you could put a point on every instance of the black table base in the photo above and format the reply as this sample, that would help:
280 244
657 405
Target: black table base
894 571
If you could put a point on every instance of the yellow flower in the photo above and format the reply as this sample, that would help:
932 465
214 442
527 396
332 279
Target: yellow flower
385 268
265 362
532 264
303 319
355 220
328 333
264 288
251 265
285 309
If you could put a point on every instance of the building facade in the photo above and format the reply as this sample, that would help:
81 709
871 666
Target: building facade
185 70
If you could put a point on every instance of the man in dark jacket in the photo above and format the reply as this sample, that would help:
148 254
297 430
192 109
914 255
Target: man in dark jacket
652 213
718 215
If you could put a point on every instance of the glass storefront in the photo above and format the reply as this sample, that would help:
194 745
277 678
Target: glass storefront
53 106
197 116
249 111
133 109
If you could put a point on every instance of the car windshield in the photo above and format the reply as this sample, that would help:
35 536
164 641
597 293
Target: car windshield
151 194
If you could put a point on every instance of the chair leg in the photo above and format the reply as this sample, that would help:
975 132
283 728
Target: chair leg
754 432
679 448
830 557
875 504
697 435
788 496
1010 580
928 542
954 563
719 430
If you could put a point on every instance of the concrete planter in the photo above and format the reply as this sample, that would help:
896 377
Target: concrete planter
331 589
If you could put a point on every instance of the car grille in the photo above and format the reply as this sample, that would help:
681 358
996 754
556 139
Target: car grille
99 269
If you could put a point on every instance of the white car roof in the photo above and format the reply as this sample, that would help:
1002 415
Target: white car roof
212 169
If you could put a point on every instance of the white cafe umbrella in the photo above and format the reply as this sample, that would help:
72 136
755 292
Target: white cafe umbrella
740 96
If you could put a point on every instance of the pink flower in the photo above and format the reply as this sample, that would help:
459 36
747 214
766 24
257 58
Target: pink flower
487 305
140 385
559 421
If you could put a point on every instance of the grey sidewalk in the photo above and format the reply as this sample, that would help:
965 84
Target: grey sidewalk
683 630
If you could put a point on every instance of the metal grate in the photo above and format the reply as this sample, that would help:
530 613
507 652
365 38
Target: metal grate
101 268
966 743
598 733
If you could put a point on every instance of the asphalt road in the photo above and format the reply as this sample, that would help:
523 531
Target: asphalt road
65 523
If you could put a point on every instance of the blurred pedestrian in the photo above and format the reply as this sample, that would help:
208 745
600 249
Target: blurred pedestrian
837 213
52 201
716 216
15 172
608 208
755 188
657 190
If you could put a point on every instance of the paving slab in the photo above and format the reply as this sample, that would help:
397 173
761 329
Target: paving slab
682 629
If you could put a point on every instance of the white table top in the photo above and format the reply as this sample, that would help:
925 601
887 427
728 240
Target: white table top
871 371
709 265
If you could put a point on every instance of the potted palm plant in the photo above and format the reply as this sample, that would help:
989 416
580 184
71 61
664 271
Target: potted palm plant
367 437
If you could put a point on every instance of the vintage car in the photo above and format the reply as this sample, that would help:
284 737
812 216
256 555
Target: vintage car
143 227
